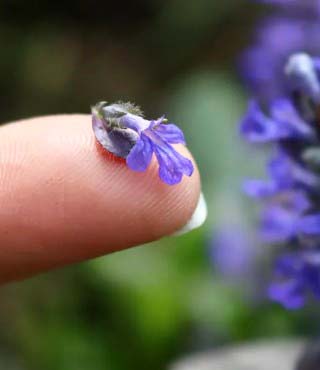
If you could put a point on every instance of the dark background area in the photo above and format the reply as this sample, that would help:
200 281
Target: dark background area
59 57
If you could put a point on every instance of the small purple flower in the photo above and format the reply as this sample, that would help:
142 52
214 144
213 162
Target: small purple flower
278 224
276 38
258 127
298 276
291 194
121 129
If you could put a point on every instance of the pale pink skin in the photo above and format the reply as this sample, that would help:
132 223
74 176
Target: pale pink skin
62 200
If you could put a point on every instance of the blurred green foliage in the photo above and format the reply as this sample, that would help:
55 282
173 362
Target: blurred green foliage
144 307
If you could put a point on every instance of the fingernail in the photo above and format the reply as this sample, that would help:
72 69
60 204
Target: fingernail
197 219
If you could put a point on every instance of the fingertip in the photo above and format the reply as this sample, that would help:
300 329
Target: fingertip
64 199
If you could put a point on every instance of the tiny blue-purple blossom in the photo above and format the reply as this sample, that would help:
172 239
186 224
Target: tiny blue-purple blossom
284 122
122 130
276 38
298 276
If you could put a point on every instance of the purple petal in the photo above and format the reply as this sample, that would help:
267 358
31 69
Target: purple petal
316 60
286 172
134 122
170 133
260 189
257 127
289 265
280 170
298 274
172 165
309 225
284 123
287 116
278 224
140 155
289 293
290 289
290 199
296 201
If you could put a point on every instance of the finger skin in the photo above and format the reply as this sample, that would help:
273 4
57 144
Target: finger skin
64 199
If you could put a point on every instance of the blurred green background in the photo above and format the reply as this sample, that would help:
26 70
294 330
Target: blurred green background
142 308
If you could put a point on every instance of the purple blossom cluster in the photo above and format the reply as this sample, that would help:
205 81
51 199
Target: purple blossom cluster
295 27
122 130
291 194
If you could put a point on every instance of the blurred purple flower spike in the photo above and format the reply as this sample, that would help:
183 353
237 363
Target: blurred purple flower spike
291 195
121 129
